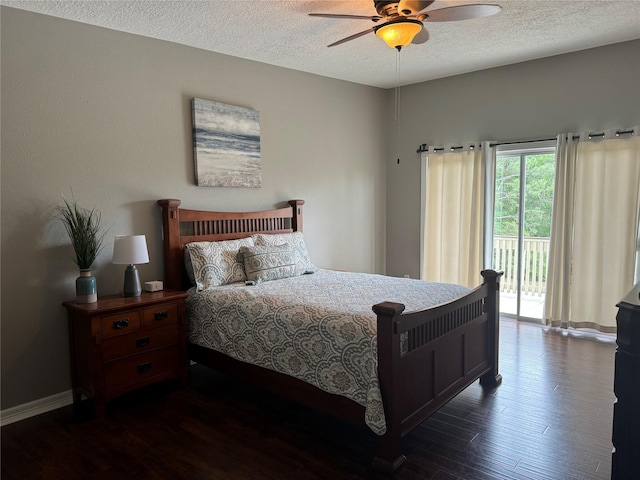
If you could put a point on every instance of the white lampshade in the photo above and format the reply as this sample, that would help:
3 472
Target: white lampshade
130 250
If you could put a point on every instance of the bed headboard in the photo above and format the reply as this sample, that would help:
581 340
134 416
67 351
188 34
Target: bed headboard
181 226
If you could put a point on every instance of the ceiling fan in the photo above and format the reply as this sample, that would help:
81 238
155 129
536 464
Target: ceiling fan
402 22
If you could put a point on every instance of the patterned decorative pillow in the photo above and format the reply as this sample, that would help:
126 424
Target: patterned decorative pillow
268 262
217 263
298 248
188 266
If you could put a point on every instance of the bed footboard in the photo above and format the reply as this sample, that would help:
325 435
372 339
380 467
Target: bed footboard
426 358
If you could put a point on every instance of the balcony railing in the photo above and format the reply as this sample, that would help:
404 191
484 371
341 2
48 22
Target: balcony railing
536 255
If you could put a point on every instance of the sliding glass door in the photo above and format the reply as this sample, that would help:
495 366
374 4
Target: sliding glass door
522 223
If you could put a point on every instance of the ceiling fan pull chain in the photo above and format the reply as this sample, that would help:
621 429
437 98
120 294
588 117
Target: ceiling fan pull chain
397 102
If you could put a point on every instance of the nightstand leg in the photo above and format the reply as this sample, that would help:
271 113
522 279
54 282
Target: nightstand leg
99 407
77 401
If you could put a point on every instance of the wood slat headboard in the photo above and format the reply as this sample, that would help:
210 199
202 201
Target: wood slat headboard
181 226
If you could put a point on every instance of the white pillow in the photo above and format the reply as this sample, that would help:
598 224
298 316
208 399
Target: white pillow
217 263
298 248
268 262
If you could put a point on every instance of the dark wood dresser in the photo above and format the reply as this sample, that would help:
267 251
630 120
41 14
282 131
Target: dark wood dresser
121 343
625 461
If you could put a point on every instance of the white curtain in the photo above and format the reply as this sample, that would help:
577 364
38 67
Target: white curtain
556 307
454 187
594 230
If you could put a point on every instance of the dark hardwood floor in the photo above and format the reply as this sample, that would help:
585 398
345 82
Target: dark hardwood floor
550 419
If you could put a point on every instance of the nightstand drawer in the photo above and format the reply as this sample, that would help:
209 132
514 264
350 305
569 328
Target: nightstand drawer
138 342
139 368
120 323
160 314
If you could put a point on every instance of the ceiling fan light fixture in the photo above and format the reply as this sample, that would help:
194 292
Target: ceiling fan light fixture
400 33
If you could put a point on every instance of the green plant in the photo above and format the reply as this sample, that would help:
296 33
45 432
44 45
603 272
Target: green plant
83 227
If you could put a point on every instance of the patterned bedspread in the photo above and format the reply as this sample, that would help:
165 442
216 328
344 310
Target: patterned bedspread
318 327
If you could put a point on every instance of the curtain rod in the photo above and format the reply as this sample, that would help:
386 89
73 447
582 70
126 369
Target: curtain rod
424 147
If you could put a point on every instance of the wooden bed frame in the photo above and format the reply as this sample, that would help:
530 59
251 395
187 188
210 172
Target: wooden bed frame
449 346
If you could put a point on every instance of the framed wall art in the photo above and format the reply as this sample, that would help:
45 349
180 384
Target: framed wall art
226 145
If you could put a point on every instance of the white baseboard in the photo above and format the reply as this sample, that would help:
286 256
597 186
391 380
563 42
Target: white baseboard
31 409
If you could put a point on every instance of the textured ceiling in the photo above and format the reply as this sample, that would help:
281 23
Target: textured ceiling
280 32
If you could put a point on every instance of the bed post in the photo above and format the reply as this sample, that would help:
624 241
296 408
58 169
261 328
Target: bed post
492 307
296 220
389 457
172 249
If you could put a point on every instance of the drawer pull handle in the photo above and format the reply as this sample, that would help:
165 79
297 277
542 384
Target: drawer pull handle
161 315
144 367
142 342
120 324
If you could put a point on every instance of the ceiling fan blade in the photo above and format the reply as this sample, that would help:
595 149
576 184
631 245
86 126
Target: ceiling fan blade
411 7
421 37
373 18
351 37
460 12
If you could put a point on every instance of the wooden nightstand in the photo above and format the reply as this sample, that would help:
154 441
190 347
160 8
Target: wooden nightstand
122 343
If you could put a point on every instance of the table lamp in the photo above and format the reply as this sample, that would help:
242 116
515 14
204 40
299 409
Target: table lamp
130 250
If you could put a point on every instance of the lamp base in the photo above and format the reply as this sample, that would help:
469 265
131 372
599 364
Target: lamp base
132 286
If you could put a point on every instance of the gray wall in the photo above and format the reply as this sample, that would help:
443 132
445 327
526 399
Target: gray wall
107 115
584 91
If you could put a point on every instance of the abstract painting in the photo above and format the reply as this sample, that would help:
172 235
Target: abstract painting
226 145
